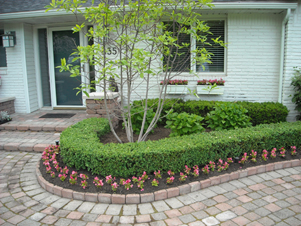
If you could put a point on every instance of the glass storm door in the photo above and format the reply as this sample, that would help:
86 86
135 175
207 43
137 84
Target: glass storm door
65 43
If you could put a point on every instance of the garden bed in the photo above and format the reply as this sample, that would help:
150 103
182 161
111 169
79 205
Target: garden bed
159 133
148 188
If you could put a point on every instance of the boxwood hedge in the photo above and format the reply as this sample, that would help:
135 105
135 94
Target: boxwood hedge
260 113
81 148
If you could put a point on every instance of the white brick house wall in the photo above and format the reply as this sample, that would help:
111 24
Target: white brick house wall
292 58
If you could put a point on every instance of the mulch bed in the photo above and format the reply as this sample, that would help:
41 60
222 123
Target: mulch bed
91 188
159 133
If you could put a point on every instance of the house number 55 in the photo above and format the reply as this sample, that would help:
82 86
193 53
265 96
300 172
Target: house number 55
112 51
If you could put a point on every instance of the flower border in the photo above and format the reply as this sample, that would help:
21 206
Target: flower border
164 193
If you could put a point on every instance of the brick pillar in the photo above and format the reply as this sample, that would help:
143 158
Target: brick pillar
7 104
95 106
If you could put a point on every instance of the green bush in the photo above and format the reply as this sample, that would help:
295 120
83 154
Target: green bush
228 116
80 148
184 124
260 113
137 119
296 82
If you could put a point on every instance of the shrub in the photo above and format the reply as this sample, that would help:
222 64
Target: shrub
228 116
266 112
260 113
184 124
137 118
296 82
80 148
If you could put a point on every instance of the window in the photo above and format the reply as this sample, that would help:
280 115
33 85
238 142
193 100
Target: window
2 51
183 62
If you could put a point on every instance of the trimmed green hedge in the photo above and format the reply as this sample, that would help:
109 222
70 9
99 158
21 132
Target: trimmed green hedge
80 148
260 113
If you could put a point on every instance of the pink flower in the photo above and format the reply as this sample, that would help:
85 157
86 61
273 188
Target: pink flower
170 180
187 170
114 186
196 171
157 174
170 173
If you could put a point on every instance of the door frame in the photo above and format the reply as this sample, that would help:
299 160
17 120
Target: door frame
82 41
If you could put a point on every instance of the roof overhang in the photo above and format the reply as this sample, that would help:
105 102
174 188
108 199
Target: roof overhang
217 6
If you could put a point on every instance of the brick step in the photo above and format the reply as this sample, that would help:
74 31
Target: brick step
26 127
27 147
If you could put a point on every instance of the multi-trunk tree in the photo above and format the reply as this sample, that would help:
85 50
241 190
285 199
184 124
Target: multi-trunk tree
135 43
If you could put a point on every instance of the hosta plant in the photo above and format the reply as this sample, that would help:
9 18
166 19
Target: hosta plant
228 116
184 123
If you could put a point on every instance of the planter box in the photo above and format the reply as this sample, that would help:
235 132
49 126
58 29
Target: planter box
176 89
201 89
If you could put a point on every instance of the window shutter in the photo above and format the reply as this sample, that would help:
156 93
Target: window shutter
217 28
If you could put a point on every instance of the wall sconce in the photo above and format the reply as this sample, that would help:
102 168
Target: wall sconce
9 39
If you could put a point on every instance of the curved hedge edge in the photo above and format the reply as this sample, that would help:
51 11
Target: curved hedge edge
161 194
84 151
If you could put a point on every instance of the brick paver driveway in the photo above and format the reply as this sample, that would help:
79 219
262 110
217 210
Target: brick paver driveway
271 198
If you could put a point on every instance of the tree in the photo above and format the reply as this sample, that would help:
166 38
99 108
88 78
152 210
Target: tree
135 42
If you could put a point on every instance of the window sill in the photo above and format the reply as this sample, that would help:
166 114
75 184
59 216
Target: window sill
198 74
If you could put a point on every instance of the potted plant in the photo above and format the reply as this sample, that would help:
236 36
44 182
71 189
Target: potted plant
176 86
210 86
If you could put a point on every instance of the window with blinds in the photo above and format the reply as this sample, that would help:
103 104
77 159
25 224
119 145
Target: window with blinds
217 28
182 62
179 58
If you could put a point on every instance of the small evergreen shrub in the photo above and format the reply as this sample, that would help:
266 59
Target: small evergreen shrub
260 113
228 116
80 148
296 82
184 124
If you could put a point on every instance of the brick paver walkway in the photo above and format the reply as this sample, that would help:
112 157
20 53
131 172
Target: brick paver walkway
271 198
29 132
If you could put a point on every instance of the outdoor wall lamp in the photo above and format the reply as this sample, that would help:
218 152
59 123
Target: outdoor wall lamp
9 39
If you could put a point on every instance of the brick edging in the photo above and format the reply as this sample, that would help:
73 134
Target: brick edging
161 194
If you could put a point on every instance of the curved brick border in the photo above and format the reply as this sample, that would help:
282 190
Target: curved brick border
161 194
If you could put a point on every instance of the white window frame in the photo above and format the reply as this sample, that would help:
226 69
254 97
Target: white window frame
193 46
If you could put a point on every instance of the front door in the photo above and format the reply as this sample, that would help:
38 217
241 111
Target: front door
63 87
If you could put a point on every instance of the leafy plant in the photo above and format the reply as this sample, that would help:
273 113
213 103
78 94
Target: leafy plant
184 124
228 116
137 118
296 82
4 116
260 113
